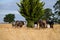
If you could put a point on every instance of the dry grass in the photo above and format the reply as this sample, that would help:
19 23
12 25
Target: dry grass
9 33
5 25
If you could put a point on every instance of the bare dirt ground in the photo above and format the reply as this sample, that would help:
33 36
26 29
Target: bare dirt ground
9 33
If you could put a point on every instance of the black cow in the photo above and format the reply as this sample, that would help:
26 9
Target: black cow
50 22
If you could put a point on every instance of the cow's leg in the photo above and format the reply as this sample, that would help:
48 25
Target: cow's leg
38 26
48 26
51 26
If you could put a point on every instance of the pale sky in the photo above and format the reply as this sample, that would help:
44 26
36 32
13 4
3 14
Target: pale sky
9 6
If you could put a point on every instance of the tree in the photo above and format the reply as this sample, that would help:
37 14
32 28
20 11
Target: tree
57 9
48 13
32 10
59 21
9 18
57 5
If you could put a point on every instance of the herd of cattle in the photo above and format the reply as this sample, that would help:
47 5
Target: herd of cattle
44 24
40 23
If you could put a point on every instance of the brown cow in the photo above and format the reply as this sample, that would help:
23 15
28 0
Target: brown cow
41 24
18 23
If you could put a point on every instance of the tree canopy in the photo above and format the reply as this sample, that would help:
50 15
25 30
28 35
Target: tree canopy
32 10
57 9
9 18
48 13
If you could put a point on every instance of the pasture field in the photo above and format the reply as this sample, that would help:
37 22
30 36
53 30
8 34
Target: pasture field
9 33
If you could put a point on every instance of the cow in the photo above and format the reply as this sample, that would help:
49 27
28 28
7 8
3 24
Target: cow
50 23
41 23
18 23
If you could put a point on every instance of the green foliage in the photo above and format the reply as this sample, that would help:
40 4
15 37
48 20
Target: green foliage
59 21
57 8
32 10
57 5
48 13
9 18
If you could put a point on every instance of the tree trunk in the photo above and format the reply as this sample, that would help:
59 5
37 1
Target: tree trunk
30 23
